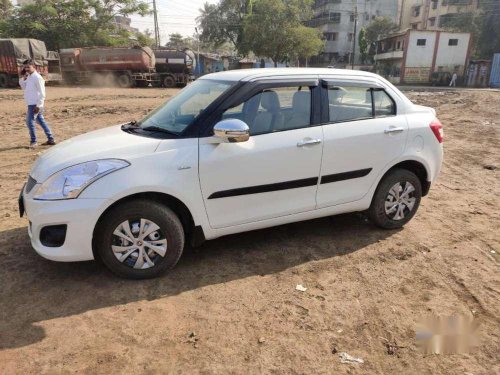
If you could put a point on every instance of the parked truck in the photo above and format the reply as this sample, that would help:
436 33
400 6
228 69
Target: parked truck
13 52
125 66
174 67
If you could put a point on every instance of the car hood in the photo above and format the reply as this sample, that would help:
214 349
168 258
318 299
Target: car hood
105 143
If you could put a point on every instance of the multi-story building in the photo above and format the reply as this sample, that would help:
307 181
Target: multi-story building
123 23
335 19
432 14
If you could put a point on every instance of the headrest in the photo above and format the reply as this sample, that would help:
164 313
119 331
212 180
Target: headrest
302 101
270 101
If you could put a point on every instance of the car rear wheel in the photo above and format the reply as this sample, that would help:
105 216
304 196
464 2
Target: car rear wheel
139 239
396 199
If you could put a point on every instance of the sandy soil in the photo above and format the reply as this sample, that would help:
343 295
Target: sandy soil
237 294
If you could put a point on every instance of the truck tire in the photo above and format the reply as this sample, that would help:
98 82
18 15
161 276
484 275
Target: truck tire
168 82
4 81
125 81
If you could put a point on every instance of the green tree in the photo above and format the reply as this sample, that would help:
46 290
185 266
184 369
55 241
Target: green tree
379 28
74 23
363 45
223 23
5 8
275 29
176 41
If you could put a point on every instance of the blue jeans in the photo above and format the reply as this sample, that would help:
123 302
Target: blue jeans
30 122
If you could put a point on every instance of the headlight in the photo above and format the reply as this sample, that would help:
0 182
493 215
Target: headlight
70 182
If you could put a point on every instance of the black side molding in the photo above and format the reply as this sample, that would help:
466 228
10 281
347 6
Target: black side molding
345 176
265 188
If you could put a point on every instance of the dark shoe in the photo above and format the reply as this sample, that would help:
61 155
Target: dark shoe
49 143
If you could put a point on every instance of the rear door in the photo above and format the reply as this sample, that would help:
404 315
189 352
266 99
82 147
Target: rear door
362 134
275 172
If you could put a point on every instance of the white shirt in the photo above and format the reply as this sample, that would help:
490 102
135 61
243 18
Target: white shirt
34 89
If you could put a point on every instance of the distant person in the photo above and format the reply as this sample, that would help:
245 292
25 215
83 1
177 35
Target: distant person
33 85
453 81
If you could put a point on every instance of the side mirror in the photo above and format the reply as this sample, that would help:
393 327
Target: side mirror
232 130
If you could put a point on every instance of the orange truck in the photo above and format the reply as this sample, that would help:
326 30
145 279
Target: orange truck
13 52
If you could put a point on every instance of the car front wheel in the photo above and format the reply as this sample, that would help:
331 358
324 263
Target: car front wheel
139 239
396 199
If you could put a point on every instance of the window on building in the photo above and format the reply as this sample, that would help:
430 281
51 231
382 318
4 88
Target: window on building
350 36
414 26
351 18
432 21
275 109
453 42
367 17
335 17
330 36
421 42
398 46
416 11
434 4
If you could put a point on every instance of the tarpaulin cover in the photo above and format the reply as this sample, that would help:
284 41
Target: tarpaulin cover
24 49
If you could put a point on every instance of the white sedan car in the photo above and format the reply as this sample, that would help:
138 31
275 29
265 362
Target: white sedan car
233 152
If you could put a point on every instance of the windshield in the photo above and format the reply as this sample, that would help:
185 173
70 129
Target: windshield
179 112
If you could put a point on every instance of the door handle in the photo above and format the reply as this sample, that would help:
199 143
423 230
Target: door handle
393 130
309 142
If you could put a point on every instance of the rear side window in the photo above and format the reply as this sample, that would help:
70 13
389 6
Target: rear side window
383 104
349 103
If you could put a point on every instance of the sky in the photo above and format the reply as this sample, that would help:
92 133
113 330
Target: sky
174 16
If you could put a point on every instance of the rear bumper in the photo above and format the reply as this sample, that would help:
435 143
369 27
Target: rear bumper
78 215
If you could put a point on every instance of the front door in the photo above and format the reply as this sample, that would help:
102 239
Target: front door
275 172
363 135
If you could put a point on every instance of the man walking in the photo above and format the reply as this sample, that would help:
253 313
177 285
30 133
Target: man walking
453 81
33 85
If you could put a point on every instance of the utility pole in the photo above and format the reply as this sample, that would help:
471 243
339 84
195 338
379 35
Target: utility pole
353 54
198 65
157 29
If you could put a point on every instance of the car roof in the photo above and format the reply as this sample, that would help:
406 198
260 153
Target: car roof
259 73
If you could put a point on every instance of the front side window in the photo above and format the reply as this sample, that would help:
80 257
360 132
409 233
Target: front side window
179 112
275 109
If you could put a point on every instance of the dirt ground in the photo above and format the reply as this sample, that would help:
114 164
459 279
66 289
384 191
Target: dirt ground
236 296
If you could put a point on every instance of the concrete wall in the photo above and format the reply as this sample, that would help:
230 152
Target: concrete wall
452 58
420 56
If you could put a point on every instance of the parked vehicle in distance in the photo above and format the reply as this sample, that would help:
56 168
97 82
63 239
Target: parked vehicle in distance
174 68
233 152
127 66
124 66
13 53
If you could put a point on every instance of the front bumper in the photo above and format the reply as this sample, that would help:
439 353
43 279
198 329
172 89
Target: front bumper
79 216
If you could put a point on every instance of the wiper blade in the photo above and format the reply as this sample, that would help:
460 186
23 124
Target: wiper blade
159 129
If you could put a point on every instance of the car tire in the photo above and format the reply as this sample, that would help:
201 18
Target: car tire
133 258
396 199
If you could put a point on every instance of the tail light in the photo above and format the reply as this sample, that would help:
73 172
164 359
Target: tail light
437 129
